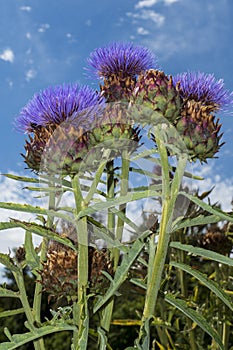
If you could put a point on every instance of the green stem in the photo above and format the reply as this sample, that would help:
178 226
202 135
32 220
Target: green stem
122 208
169 195
110 193
80 310
39 344
106 315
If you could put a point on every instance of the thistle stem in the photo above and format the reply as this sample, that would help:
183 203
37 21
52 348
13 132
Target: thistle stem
39 344
80 310
122 208
169 195
106 315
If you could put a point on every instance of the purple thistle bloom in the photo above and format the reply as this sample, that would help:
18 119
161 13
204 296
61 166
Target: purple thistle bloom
57 104
204 88
121 58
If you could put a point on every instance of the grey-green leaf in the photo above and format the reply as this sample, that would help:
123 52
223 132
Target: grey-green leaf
39 230
208 254
215 211
11 312
214 287
7 261
8 293
32 258
21 339
195 317
121 272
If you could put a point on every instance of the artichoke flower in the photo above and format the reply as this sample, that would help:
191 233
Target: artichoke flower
155 92
118 65
200 131
114 130
56 121
59 274
202 96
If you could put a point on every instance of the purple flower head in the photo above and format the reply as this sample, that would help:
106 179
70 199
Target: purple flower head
121 58
57 104
204 88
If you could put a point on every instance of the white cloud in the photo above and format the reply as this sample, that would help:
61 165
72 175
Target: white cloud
177 36
7 55
88 22
28 35
26 8
142 31
30 74
222 187
169 2
12 191
43 28
145 3
148 15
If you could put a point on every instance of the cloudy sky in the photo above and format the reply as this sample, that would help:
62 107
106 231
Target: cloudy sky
44 43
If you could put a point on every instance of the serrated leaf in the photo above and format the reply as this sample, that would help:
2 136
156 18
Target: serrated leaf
109 203
27 208
103 233
209 254
199 220
11 312
215 211
39 230
21 339
8 293
195 317
213 286
32 258
138 282
121 272
22 178
103 340
57 191
7 261
144 154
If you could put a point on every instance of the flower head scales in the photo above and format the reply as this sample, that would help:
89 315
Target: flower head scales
55 105
121 58
204 88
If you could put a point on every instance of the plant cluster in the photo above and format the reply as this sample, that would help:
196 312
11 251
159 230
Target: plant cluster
101 152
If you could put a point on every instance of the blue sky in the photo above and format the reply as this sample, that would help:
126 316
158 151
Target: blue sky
46 42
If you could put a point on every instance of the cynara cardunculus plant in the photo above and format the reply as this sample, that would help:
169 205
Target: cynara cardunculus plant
57 120
202 95
119 64
85 144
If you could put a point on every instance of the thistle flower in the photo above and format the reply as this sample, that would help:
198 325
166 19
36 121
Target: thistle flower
202 95
59 275
204 88
119 64
55 105
155 91
200 131
69 110
114 129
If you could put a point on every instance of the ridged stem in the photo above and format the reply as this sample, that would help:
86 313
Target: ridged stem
169 195
123 192
39 344
106 315
80 310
